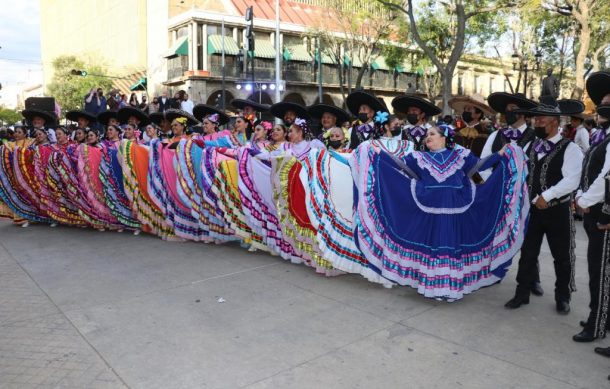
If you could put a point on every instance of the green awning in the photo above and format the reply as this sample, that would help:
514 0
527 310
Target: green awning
180 47
379 64
357 63
405 67
297 53
215 45
327 58
140 85
263 49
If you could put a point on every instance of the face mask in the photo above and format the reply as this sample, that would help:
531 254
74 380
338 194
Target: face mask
511 118
467 116
363 117
412 118
540 132
288 122
396 131
334 144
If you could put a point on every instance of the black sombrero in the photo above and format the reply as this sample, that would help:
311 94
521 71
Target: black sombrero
598 85
604 110
126 112
104 117
499 100
402 104
279 110
49 118
171 114
357 98
157 117
548 106
242 103
200 111
74 115
317 110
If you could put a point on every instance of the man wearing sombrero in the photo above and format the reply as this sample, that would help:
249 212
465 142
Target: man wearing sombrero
516 132
363 105
288 112
576 131
554 173
329 117
249 109
418 111
590 198
83 119
39 119
473 109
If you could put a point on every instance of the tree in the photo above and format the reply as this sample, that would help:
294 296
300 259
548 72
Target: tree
9 116
581 12
353 30
69 90
443 29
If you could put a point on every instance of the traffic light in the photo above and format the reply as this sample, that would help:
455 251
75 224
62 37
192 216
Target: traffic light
76 72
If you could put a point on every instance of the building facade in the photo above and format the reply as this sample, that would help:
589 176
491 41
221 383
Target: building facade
178 44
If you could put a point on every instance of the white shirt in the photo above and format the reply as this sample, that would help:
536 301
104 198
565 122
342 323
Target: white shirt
581 138
570 170
595 194
187 106
486 152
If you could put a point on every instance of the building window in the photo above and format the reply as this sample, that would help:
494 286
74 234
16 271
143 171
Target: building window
492 80
182 31
460 83
217 30
476 84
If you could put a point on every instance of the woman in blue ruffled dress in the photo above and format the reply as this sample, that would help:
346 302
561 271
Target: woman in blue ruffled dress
421 221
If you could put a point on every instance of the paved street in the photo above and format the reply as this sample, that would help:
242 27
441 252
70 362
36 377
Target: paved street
87 309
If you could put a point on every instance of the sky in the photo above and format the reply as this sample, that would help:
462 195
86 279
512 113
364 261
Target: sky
20 64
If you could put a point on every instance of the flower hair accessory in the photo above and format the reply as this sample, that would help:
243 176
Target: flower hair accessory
267 125
214 118
381 117
302 123
447 130
181 120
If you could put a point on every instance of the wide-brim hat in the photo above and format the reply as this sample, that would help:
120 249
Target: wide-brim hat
104 117
317 110
242 103
402 104
171 114
126 112
29 114
74 115
156 117
459 102
598 85
279 110
604 110
355 99
548 106
200 111
499 100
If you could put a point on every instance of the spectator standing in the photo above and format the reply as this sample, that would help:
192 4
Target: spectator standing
164 102
113 100
153 107
187 104
144 105
133 100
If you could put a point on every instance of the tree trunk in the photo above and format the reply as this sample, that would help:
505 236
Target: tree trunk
360 76
584 41
447 81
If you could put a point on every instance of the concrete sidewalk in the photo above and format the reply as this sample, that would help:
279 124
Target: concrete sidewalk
87 309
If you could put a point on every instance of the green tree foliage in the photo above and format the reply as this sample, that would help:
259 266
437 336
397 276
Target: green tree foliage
444 30
9 116
70 90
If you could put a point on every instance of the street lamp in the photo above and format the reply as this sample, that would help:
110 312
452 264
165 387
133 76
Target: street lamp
522 63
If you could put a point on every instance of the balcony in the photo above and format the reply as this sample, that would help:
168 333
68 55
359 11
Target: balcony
177 66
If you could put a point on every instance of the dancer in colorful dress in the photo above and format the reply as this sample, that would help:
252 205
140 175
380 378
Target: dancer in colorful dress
433 229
